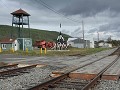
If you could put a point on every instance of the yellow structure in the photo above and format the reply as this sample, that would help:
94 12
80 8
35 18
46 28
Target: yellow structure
40 50
26 50
12 49
45 50
0 49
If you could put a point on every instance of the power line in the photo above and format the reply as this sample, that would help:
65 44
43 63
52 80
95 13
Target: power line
52 9
4 3
48 7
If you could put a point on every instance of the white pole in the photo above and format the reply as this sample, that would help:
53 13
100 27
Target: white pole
83 33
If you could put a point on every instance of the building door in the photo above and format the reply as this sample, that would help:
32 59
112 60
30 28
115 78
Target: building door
15 47
3 46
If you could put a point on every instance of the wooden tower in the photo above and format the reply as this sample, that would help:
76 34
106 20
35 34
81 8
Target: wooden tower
19 19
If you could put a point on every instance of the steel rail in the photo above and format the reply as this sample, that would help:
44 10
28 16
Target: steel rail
8 66
118 49
50 83
17 69
99 75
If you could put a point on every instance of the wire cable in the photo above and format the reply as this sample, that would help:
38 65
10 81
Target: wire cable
52 9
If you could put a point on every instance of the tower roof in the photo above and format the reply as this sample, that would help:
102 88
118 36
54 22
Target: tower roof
20 12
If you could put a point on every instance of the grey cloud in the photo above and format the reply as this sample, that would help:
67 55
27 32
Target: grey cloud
110 27
87 8
65 31
118 35
93 30
77 33
31 4
56 4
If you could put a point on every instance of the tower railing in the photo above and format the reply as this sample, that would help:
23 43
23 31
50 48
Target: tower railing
25 22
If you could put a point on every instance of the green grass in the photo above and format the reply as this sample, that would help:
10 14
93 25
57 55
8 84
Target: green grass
76 51
36 34
70 52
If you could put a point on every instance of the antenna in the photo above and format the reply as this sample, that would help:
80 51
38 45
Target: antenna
98 36
60 25
83 33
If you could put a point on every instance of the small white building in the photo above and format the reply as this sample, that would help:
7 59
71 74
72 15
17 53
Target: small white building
78 43
105 45
7 44
92 45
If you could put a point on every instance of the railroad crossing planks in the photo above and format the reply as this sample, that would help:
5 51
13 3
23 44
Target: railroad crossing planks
90 71
113 73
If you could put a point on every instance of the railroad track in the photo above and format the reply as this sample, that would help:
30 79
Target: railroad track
9 71
8 66
64 82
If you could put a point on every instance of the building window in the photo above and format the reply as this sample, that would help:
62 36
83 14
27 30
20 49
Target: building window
3 46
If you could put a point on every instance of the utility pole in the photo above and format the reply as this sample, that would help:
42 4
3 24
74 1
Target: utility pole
83 33
98 36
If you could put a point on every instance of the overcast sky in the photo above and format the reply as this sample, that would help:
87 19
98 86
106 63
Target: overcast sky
101 16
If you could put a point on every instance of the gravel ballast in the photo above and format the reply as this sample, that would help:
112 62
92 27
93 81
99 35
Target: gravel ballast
27 80
38 75
108 85
96 67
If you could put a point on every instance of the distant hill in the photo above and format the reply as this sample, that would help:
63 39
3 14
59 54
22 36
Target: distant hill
36 34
